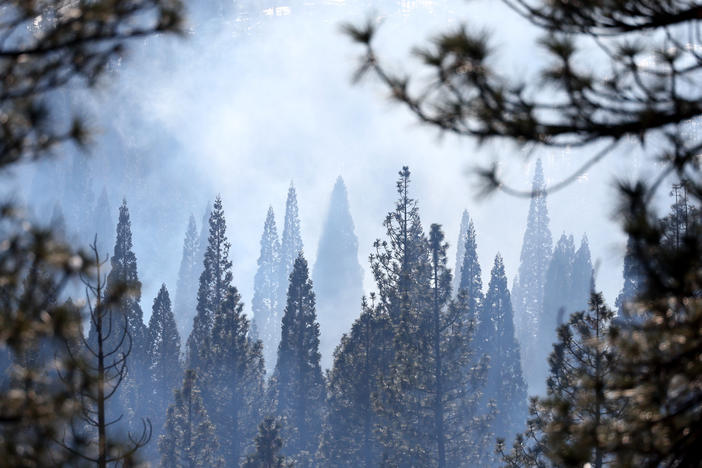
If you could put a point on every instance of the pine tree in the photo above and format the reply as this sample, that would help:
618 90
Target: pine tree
338 278
528 290
297 387
268 446
188 439
430 399
350 436
460 250
505 382
164 356
290 246
186 288
123 274
233 379
556 307
567 426
265 300
215 286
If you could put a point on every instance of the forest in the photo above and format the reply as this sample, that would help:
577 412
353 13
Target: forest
500 343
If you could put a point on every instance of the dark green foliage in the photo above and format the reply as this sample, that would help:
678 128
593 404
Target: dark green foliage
338 277
266 310
268 446
505 382
233 379
189 439
528 290
188 273
297 388
471 280
229 364
290 246
350 436
164 358
215 286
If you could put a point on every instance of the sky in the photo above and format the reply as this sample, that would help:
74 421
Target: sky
245 109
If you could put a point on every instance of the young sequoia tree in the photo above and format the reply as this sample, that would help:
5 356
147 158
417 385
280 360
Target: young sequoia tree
268 446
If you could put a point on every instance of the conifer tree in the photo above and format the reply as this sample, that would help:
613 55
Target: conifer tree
215 286
582 278
188 439
297 387
460 250
268 446
233 379
430 398
567 426
634 277
164 356
556 308
265 307
350 436
528 290
290 246
188 273
338 277
471 277
505 382
123 274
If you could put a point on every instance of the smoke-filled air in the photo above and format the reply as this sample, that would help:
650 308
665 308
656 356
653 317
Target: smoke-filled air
399 234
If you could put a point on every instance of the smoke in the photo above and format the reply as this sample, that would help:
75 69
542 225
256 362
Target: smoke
242 107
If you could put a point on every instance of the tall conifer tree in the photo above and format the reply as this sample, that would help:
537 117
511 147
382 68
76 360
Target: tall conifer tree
556 308
164 356
505 382
338 277
233 379
265 307
124 275
582 278
430 399
215 286
290 246
297 388
471 277
528 290
186 288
